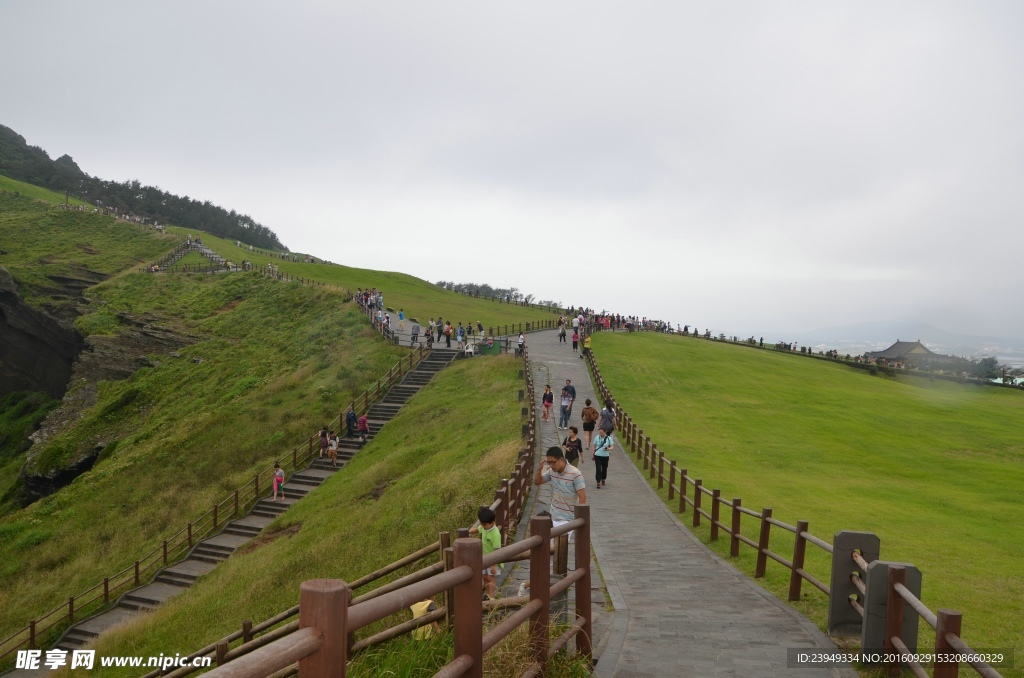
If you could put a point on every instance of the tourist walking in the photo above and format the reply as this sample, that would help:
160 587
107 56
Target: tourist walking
603 443
323 442
567 485
547 400
608 419
590 415
573 447
364 429
575 341
565 410
278 481
332 449
351 420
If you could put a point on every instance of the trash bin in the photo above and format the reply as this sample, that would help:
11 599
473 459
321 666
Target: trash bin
489 346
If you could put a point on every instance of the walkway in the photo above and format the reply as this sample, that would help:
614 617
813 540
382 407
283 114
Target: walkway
680 610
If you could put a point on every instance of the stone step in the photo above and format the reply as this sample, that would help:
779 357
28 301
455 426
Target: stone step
224 542
174 580
310 476
326 463
241 531
150 595
209 556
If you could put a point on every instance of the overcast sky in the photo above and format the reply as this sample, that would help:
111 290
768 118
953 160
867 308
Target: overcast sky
757 167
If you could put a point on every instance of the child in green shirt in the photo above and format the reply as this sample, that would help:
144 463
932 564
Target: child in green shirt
491 537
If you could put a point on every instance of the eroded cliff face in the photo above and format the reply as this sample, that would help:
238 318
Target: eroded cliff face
36 350
103 358
41 351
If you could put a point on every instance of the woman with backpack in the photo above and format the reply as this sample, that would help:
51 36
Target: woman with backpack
590 415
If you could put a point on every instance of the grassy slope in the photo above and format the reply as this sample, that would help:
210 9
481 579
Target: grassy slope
42 240
34 192
274 362
432 483
418 297
935 469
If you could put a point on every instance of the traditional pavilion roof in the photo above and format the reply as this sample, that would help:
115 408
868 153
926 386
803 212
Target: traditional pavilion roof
902 349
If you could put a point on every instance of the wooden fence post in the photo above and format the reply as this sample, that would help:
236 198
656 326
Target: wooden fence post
469 625
696 501
671 480
762 543
682 491
661 469
893 619
323 605
716 508
540 589
448 557
734 545
583 604
948 621
799 551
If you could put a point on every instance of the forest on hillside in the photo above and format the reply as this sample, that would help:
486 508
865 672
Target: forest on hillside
33 165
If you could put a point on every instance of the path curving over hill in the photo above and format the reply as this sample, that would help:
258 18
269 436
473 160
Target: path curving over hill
680 610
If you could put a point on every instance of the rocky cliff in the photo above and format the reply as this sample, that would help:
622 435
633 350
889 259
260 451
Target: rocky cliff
36 349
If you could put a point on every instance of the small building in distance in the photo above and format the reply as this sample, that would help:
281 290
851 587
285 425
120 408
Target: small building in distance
916 354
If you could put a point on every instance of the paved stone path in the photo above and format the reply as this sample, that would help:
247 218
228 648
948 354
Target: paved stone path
680 610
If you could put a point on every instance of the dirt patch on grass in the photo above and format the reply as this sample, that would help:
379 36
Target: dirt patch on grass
230 305
269 538
378 491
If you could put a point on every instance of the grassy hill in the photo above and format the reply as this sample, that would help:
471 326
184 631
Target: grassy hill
418 297
409 483
35 192
48 249
268 364
934 469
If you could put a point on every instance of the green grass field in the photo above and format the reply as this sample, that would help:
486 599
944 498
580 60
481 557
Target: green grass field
270 364
420 298
35 192
411 482
43 241
935 469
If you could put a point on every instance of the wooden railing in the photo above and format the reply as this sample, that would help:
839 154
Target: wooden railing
949 650
178 545
321 641
508 504
678 482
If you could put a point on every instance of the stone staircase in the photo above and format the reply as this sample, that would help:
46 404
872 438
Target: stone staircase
207 554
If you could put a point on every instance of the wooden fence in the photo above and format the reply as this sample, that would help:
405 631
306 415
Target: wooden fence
178 545
725 516
322 640
275 644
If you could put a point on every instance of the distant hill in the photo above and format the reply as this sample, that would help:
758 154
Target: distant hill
32 164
